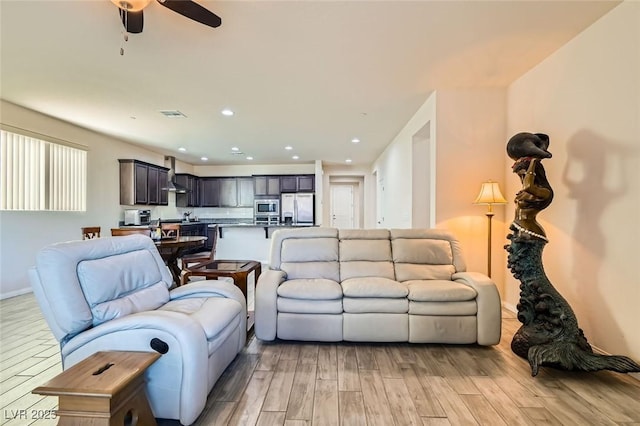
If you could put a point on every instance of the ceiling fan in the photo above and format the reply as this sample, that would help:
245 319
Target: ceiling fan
132 17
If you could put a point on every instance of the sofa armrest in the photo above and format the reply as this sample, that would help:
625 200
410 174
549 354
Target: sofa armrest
489 307
266 310
209 288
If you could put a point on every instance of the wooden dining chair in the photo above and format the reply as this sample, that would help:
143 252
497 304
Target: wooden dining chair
170 230
203 256
90 232
119 232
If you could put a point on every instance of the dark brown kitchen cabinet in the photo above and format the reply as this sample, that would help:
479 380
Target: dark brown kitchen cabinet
153 189
306 183
163 181
142 183
141 194
245 192
191 198
297 183
288 184
228 192
266 186
209 192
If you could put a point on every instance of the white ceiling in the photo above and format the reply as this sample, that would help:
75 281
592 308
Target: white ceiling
310 74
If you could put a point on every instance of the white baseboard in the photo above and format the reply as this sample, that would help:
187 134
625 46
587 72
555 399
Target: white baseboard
15 293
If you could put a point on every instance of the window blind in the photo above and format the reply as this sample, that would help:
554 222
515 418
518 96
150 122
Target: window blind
41 175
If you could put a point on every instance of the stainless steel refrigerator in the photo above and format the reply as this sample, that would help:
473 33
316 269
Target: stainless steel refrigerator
297 209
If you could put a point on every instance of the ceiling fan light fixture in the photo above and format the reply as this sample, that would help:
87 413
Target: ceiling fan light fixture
131 5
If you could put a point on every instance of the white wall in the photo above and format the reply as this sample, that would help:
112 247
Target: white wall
586 96
467 138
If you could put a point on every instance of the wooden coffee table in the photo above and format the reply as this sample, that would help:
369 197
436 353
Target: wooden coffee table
239 270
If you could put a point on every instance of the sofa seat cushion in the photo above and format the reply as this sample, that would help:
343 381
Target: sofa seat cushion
439 291
375 305
376 287
213 314
468 307
310 289
302 306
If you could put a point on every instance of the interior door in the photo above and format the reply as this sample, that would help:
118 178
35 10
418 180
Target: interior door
342 206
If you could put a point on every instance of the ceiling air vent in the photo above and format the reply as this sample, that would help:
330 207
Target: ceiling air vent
173 114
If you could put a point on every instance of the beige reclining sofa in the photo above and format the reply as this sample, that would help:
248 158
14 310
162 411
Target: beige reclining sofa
378 285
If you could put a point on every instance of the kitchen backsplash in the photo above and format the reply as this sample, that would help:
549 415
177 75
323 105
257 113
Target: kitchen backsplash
173 212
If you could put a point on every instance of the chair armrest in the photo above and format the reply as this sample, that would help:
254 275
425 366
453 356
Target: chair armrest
183 366
489 307
172 325
209 288
266 310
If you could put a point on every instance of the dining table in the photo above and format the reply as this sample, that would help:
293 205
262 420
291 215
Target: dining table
172 249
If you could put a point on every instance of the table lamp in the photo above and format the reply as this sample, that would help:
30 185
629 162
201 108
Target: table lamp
490 194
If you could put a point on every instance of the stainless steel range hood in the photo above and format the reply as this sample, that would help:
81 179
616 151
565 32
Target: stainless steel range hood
172 186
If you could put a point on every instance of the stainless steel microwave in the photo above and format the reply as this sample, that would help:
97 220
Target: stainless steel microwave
267 207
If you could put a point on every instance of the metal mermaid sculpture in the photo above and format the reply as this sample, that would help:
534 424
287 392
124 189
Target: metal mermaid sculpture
549 335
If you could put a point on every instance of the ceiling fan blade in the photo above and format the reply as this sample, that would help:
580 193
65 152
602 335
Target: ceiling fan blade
132 21
193 10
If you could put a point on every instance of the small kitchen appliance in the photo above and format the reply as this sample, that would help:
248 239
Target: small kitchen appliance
137 217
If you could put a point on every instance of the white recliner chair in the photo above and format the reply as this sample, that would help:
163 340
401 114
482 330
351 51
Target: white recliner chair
113 294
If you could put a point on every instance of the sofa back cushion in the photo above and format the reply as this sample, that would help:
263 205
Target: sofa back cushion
365 253
80 284
306 253
425 254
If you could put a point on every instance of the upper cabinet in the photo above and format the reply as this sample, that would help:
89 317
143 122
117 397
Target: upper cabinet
245 192
209 192
191 198
142 183
266 186
227 192
297 183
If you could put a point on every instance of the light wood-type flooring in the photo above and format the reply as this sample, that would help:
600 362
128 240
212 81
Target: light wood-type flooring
298 383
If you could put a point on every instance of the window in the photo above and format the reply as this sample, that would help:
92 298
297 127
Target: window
41 175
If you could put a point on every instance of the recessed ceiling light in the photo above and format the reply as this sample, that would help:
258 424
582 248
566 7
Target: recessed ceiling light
249 158
227 112
182 149
204 158
348 160
295 157
235 148
355 140
288 147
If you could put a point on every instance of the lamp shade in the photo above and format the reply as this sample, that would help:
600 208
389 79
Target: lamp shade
490 194
131 5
